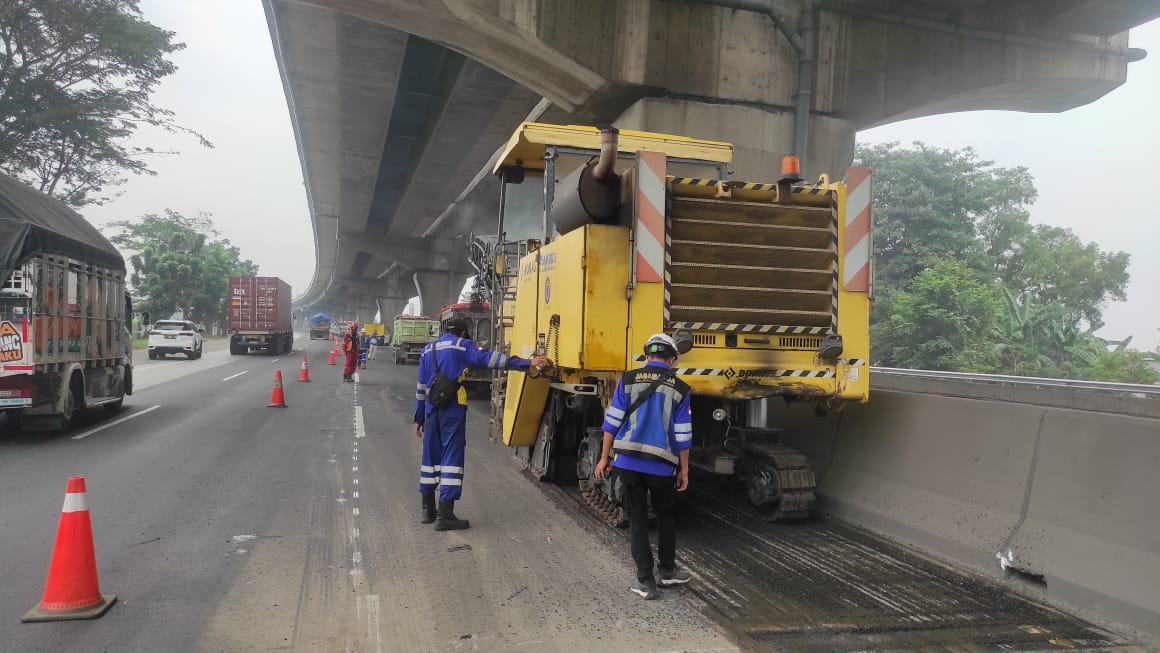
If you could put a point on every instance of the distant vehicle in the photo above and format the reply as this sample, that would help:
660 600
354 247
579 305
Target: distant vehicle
410 333
259 317
175 337
478 318
319 325
64 314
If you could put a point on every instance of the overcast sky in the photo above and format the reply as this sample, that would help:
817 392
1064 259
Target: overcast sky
1097 167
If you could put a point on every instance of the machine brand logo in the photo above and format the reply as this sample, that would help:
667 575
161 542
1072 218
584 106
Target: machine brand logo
11 343
547 289
730 373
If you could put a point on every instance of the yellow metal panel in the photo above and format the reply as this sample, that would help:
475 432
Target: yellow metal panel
523 332
523 408
563 293
605 305
646 317
526 146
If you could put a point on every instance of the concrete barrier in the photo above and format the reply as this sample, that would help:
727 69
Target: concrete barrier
969 473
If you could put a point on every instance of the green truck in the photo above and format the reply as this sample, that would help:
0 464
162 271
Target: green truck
409 334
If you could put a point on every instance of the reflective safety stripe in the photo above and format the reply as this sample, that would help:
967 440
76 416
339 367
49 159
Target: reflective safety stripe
640 447
683 437
449 345
429 469
451 469
683 428
428 481
451 481
74 502
420 396
614 412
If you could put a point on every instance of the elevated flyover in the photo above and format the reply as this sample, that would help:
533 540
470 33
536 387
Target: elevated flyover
398 106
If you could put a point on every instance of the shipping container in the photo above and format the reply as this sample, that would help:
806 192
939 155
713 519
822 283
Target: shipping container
260 316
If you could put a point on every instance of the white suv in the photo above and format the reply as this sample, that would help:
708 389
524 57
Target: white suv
174 337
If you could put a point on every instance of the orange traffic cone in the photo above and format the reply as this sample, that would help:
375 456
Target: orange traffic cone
331 361
71 591
277 399
304 373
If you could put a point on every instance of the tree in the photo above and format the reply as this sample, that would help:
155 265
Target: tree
75 81
942 321
1122 365
932 206
178 266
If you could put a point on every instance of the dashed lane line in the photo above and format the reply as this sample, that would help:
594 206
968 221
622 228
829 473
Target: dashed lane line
81 436
235 375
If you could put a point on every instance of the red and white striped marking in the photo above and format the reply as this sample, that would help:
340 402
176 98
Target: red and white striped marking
856 252
650 217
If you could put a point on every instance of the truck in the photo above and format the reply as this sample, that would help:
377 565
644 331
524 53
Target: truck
478 318
763 285
409 334
319 326
65 318
259 316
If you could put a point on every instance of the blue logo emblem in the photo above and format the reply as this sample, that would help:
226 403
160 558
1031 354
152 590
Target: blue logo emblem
547 289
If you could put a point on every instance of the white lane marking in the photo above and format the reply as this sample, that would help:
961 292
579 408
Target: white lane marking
356 494
115 422
354 469
274 361
138 369
235 375
360 430
354 511
368 609
354 533
356 481
356 380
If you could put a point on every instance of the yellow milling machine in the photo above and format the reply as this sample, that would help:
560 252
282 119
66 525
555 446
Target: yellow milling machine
607 237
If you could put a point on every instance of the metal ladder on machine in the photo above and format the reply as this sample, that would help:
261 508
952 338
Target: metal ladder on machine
505 273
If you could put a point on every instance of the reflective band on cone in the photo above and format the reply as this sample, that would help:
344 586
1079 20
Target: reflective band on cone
72 591
277 398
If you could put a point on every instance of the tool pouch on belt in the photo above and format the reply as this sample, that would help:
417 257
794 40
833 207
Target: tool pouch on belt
443 391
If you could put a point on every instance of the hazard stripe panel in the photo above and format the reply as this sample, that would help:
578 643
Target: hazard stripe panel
650 216
856 251
748 328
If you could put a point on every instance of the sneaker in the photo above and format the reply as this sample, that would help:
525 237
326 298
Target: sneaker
644 588
675 576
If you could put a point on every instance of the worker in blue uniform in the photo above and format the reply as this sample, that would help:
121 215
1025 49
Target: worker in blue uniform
648 425
444 428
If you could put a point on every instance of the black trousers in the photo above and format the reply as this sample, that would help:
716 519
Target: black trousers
664 501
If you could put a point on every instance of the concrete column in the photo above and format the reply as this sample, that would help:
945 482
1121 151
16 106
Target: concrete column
435 291
760 137
389 307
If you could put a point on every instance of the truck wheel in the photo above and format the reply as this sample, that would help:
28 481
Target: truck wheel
200 349
72 401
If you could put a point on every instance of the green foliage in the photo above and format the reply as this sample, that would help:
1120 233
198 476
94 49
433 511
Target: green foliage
179 265
75 81
1122 366
941 322
965 282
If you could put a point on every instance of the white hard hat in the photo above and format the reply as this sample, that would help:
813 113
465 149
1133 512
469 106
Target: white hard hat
661 344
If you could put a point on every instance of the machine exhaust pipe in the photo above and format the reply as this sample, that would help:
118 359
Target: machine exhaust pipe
591 194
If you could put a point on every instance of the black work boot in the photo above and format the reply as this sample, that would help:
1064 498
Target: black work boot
428 508
446 519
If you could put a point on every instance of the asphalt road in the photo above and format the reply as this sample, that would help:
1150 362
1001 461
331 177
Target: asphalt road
225 525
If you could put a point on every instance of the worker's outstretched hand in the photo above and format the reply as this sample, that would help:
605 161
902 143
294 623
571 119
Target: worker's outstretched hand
419 430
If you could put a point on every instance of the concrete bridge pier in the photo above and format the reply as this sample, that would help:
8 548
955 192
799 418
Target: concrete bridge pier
438 288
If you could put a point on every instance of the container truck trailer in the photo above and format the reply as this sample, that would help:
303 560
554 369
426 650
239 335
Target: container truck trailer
64 313
606 238
259 318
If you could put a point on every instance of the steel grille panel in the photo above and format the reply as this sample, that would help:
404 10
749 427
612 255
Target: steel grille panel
754 263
